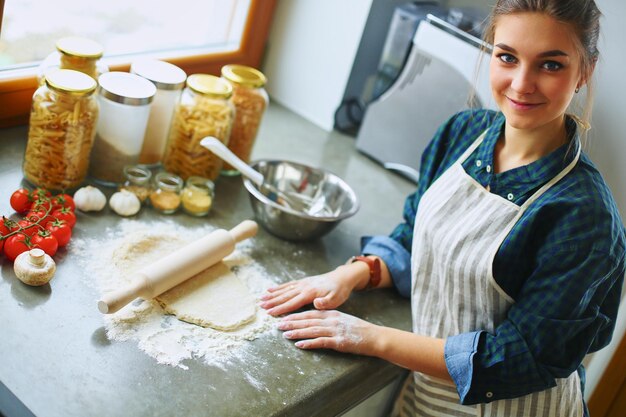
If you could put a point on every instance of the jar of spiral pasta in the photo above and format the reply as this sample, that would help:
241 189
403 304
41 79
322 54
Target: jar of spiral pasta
250 100
62 126
80 54
204 110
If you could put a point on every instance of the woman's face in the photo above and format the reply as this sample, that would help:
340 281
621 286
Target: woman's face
534 69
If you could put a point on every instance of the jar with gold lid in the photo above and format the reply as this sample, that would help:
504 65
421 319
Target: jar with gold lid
250 100
204 109
62 126
76 53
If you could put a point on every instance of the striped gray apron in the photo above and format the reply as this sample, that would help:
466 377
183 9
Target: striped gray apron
459 227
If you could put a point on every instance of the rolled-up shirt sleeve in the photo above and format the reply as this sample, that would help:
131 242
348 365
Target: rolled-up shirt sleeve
561 314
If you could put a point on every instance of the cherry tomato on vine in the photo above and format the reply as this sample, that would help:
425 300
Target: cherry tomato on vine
39 216
63 200
46 242
60 230
21 200
41 204
16 244
5 226
41 194
28 227
66 215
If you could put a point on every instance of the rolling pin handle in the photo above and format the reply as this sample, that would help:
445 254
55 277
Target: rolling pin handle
244 230
114 301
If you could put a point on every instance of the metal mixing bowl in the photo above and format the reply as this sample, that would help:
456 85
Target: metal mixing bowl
330 198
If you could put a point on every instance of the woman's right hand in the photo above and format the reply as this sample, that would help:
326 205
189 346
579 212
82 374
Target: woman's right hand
327 291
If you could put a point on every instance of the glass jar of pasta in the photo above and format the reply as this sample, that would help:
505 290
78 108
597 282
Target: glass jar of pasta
204 110
250 100
74 53
62 126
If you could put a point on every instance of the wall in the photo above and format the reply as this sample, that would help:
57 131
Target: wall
311 49
607 145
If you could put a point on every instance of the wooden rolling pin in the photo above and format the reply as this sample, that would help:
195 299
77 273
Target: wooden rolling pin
179 266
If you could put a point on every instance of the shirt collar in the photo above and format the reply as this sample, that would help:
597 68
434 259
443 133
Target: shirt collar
538 171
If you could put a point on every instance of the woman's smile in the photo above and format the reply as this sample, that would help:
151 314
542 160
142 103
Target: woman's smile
522 105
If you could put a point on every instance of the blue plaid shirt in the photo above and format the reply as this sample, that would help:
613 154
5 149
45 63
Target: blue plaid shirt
563 263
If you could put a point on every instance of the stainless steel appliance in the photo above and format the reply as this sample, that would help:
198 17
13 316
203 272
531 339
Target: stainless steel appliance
437 80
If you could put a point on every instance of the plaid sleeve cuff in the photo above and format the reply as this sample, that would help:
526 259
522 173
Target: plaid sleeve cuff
397 259
459 353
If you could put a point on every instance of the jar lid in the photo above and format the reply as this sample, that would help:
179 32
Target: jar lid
244 75
209 85
81 47
164 75
126 88
70 81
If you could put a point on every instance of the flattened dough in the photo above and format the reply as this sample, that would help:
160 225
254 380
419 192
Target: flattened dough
213 298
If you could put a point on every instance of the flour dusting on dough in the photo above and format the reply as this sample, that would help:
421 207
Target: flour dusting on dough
111 259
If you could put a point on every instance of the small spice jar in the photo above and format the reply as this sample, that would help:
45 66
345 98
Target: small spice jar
250 100
204 110
137 181
124 100
165 197
79 54
197 196
169 81
62 126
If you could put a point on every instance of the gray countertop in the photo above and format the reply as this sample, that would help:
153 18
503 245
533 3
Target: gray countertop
55 356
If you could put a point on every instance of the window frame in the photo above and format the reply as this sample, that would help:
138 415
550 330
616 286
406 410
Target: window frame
16 92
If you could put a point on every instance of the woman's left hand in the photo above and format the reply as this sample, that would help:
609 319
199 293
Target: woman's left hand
324 329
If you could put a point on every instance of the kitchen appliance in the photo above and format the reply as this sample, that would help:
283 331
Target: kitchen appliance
439 78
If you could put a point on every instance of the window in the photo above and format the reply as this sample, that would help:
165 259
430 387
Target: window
203 36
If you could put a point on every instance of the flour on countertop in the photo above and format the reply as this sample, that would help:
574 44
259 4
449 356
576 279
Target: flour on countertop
109 261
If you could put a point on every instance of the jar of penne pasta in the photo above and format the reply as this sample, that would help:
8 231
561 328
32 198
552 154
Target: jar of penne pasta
204 110
62 126
74 53
250 100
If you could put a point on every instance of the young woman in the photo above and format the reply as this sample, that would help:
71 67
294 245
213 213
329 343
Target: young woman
512 249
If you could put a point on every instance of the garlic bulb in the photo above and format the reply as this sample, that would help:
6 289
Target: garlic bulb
89 199
125 203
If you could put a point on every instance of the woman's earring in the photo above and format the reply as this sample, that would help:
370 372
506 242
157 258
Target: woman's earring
577 90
